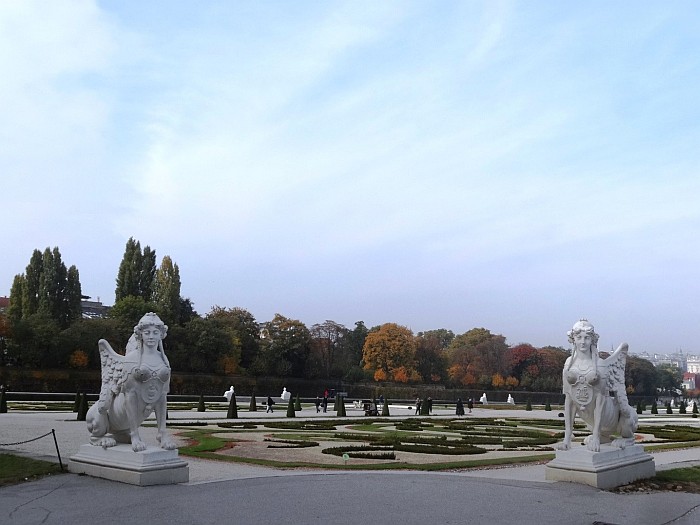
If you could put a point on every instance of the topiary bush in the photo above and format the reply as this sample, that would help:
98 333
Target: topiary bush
528 405
654 408
253 405
82 408
291 412
232 408
200 405
695 409
424 407
297 404
547 406
669 410
3 402
385 408
76 403
341 407
639 407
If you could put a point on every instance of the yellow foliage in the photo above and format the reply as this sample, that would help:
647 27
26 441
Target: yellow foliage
78 359
497 381
379 375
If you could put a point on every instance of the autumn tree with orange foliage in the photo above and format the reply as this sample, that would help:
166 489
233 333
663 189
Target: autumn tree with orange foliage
391 352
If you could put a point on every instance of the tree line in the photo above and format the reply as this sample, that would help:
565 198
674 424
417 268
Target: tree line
43 328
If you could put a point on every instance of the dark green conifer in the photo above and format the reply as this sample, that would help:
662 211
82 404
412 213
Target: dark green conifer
297 404
3 401
201 407
654 408
83 408
291 412
639 407
232 408
528 405
681 409
76 403
253 405
385 408
547 406
341 406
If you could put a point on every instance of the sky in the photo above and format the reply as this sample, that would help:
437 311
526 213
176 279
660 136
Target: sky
437 164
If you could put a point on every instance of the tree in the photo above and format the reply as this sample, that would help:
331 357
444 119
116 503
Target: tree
286 347
136 272
46 287
431 361
641 375
391 353
166 290
327 343
670 378
243 329
475 356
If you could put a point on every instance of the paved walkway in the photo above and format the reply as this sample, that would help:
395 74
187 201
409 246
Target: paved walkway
234 493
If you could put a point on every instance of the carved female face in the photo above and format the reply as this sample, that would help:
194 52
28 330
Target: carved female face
151 335
583 341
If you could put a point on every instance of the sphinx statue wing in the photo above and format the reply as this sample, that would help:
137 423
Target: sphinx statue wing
115 369
615 365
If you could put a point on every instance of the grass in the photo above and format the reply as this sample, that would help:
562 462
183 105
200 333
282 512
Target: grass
18 469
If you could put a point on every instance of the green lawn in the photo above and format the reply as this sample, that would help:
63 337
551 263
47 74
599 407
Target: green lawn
18 469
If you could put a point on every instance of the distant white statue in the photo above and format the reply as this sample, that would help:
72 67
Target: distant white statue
133 386
229 393
595 390
483 399
510 400
285 395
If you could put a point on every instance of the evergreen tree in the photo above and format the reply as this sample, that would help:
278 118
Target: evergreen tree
3 401
17 293
681 408
340 404
654 408
548 406
83 408
30 299
135 276
166 290
200 406
424 407
253 405
72 308
695 409
385 408
639 407
290 408
669 410
232 408
147 276
528 405
297 403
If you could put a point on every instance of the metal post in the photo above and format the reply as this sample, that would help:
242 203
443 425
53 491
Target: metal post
57 451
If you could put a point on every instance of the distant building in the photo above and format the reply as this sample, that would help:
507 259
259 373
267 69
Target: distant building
677 359
4 303
693 364
691 381
94 309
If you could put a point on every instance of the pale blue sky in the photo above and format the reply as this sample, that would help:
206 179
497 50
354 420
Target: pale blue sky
511 165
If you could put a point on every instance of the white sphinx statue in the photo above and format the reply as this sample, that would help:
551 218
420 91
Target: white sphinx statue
483 399
229 393
285 395
510 400
594 389
133 386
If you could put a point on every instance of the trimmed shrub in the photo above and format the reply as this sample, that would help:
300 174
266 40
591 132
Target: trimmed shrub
76 403
547 406
341 406
639 407
695 409
297 404
669 410
200 406
681 409
654 408
424 407
528 405
232 408
291 412
82 408
3 402
253 405
385 408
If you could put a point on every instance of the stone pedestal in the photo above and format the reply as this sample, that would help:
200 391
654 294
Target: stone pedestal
609 468
153 466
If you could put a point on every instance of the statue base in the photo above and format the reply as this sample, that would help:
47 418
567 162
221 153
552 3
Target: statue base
153 466
609 468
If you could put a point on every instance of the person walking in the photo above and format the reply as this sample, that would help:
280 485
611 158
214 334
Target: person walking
460 407
318 404
470 404
324 403
417 406
270 402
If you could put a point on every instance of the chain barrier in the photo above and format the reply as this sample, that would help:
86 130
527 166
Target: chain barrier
53 431
28 441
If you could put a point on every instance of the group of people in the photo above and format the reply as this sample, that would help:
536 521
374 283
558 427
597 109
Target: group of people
460 406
